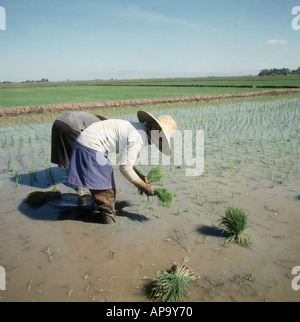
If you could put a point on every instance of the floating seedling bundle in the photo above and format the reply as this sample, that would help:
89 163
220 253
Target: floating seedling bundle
37 199
172 286
235 221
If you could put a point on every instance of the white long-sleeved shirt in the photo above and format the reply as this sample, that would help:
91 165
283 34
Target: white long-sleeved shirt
117 136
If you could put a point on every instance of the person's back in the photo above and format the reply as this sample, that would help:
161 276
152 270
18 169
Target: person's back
77 120
115 136
65 130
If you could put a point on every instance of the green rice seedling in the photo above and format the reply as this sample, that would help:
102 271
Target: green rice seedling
172 286
164 196
155 175
12 140
202 202
178 212
38 198
158 216
9 159
17 179
14 172
4 140
50 175
32 174
235 221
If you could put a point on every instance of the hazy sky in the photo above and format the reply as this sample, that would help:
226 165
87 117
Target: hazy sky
103 39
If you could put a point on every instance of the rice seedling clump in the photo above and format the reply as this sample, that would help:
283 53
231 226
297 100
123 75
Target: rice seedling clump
37 199
235 221
164 196
155 175
172 286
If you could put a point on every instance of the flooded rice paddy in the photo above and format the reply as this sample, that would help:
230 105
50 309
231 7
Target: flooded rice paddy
251 161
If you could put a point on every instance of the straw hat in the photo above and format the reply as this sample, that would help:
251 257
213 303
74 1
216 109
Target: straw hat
164 124
102 118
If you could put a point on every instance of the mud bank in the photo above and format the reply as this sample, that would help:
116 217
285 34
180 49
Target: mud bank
12 111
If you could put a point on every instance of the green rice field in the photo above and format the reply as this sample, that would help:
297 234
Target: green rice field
88 91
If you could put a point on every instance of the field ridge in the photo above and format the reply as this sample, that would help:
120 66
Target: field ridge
19 110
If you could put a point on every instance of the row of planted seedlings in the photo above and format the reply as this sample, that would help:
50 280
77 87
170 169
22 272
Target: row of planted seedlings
25 147
246 146
25 154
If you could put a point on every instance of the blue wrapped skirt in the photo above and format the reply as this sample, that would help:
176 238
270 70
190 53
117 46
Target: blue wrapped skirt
90 169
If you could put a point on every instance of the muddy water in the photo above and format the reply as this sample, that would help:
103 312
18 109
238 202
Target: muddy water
55 254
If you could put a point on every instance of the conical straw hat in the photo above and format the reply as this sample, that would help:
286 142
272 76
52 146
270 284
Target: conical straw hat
164 124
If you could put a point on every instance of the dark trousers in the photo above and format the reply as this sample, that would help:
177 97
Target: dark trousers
63 138
105 199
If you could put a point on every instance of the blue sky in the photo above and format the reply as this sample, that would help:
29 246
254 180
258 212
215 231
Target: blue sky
103 39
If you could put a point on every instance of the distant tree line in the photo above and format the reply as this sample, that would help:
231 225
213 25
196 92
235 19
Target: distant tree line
279 72
43 80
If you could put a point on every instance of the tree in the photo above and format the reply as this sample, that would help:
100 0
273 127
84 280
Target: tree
279 72
296 71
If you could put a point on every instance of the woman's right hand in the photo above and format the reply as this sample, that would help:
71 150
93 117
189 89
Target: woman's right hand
149 189
145 188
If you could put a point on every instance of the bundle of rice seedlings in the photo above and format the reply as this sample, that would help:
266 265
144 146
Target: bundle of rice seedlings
37 199
164 196
155 175
172 286
235 222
